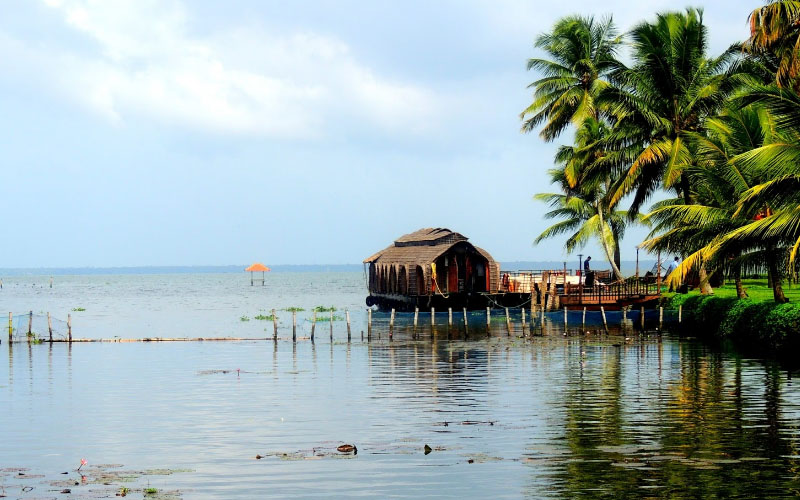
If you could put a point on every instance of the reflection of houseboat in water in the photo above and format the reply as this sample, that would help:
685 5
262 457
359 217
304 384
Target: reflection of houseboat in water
436 267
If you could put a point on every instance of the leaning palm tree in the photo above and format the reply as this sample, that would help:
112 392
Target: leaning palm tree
771 205
582 52
583 202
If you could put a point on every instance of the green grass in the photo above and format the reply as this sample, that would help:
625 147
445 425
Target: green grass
264 317
322 309
78 309
757 290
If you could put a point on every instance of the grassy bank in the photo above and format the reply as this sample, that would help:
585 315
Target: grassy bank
757 323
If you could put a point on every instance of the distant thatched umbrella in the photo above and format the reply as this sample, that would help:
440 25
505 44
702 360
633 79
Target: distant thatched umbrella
258 266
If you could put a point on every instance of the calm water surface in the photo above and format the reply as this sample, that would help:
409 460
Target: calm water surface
582 415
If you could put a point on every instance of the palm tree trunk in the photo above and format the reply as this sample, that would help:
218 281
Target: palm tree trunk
737 278
705 286
775 277
617 255
609 256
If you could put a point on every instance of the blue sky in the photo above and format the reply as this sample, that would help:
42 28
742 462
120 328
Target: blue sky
164 133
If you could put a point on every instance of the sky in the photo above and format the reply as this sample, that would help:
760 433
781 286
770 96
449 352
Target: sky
143 132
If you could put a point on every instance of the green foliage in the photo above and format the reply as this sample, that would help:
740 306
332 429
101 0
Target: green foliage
293 309
150 491
264 317
763 326
321 309
78 309
244 318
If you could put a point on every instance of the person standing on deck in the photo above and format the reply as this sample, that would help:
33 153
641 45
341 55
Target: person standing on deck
672 266
589 279
586 269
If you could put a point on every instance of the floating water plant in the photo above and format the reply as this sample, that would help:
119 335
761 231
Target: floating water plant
150 491
322 309
244 318
294 309
264 317
78 309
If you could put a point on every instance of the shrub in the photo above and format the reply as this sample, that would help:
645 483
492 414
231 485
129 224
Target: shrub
782 326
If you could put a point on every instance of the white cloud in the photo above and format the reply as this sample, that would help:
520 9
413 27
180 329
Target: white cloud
143 62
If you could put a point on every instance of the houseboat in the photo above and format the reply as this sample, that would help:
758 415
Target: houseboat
439 268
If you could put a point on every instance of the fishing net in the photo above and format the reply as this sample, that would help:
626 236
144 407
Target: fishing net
35 327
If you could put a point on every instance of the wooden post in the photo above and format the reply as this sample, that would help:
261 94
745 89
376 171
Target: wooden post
583 321
660 317
391 319
274 325
488 317
313 324
369 324
624 313
680 314
416 317
565 318
331 324
69 327
603 313
347 315
641 317
508 322
50 327
450 316
433 316
523 320
658 276
10 326
30 325
294 326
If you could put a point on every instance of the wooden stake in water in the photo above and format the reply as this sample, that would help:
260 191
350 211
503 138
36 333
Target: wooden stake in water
624 314
488 317
416 317
449 316
660 317
30 325
680 313
391 319
641 317
347 315
523 320
274 325
583 320
69 327
50 327
10 326
466 322
313 324
565 319
433 316
605 323
294 326
331 324
369 324
508 322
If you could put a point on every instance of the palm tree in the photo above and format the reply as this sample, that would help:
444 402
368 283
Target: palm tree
583 203
718 185
582 53
669 92
775 30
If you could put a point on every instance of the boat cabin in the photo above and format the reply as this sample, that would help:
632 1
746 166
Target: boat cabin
430 266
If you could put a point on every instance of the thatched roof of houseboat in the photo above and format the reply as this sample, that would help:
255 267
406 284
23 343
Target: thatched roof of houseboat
421 247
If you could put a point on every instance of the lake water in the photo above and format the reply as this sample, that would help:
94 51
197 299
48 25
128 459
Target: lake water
582 415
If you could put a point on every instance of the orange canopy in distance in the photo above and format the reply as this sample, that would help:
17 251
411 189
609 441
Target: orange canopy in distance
258 266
